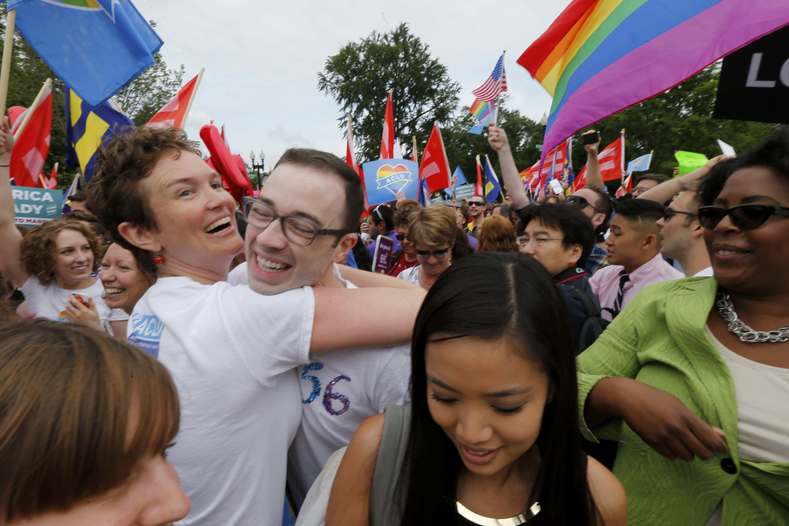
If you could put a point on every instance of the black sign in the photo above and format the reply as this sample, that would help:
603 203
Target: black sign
754 81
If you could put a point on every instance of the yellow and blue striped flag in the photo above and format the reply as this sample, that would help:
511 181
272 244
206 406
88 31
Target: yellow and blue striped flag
87 128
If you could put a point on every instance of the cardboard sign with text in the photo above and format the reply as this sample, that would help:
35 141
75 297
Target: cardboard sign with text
35 206
384 247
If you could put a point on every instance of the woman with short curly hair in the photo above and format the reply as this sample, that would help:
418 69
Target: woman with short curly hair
497 234
54 264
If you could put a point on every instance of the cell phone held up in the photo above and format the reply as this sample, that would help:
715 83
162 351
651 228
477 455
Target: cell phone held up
590 137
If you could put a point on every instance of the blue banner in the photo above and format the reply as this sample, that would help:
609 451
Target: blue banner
34 206
96 46
385 178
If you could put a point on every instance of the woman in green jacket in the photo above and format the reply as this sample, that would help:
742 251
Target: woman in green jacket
698 369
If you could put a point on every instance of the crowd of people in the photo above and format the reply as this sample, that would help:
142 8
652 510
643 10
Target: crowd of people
168 354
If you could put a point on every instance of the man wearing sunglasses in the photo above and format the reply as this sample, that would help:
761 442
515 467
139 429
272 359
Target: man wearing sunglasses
681 232
476 209
682 235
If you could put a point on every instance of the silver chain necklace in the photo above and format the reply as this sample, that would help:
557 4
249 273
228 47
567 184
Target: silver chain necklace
741 330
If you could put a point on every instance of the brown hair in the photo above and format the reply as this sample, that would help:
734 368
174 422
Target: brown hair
330 163
38 249
78 411
434 226
115 195
497 234
404 212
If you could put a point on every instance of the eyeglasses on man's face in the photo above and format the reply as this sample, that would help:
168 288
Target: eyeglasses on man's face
539 241
297 228
580 202
671 212
476 203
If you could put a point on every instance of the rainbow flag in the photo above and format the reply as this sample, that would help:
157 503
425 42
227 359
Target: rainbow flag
484 113
602 56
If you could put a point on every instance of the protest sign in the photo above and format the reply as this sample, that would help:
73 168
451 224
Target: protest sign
384 247
754 81
464 191
34 206
689 161
384 178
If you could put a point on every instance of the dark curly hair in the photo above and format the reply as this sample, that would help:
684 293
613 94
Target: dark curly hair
114 193
38 249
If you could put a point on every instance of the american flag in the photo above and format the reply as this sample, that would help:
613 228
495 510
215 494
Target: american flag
495 84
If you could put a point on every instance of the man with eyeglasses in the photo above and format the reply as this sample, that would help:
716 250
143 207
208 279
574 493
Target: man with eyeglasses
682 235
561 238
592 200
305 219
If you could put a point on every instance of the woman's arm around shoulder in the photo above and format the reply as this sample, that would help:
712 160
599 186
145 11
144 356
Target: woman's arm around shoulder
350 494
608 494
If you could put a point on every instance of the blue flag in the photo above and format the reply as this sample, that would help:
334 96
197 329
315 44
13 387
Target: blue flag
641 164
492 186
87 128
96 46
459 176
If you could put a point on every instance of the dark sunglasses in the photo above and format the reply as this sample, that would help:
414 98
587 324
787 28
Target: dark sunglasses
670 212
580 202
744 217
400 237
435 253
475 203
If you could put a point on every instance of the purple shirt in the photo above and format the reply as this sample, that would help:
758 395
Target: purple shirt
605 282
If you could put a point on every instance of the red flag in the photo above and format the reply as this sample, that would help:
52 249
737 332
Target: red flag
349 160
32 139
387 138
478 188
611 161
174 113
434 169
231 167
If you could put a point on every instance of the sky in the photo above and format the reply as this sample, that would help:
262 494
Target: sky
262 59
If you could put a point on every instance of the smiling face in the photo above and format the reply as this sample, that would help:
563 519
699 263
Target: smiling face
73 259
491 409
194 215
751 260
124 283
274 263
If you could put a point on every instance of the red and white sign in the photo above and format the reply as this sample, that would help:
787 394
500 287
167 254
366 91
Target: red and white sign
32 136
174 113
434 169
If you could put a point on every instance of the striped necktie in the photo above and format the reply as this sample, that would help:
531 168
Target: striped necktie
624 279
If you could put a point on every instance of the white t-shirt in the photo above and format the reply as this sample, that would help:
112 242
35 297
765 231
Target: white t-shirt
48 301
232 353
338 393
411 275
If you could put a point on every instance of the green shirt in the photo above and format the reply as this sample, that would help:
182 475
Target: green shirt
659 339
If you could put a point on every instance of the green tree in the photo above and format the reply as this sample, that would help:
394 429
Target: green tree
140 99
679 119
359 76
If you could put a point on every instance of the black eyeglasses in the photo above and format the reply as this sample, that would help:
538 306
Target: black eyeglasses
580 202
296 228
670 212
475 203
440 254
744 217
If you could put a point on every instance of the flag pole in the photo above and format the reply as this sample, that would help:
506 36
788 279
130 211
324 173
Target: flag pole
47 86
194 94
5 68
